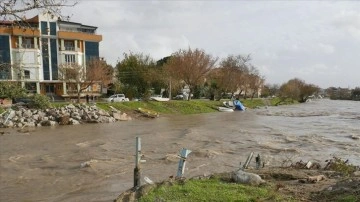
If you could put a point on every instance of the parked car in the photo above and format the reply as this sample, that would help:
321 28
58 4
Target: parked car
23 101
117 98
179 97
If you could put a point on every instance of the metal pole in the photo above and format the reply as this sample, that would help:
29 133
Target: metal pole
137 173
183 155
248 160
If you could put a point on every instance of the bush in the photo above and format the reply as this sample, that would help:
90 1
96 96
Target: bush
41 101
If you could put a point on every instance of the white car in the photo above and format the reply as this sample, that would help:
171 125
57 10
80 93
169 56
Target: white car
117 98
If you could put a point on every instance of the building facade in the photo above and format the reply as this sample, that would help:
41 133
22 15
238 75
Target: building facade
32 53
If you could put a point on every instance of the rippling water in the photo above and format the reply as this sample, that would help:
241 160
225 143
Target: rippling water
44 164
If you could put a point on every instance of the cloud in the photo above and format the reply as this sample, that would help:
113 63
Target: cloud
286 39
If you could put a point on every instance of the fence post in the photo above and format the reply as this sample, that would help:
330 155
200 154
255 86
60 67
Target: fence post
137 173
183 155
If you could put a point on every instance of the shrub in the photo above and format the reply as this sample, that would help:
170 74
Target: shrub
41 101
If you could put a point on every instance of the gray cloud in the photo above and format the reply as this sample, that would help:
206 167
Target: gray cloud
317 41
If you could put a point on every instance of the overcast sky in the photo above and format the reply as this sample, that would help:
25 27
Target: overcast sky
316 41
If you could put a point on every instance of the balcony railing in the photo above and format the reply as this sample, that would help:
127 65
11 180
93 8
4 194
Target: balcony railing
70 48
28 46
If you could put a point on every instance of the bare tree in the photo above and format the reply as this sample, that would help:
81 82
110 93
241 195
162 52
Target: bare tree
97 71
297 89
190 66
238 68
254 81
15 10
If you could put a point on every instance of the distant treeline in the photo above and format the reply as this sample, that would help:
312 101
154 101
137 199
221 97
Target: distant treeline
343 93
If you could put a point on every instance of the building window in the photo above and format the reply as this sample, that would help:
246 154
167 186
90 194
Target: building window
27 42
26 74
69 45
69 59
30 87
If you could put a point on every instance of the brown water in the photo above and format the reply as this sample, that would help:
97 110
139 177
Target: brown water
44 165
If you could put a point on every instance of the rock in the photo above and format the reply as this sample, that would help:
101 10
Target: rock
314 179
125 117
243 177
70 106
116 115
11 114
35 117
48 123
27 114
73 122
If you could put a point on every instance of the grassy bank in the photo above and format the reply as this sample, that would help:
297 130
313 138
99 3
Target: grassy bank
212 190
186 107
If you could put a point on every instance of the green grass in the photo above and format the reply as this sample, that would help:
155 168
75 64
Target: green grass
211 190
179 106
170 107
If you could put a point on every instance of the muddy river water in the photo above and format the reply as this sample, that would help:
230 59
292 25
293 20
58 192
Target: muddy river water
45 164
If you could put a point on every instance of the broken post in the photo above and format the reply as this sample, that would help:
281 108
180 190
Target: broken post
137 174
246 164
258 161
183 155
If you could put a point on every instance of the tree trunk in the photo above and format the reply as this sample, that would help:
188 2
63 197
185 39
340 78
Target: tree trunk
78 96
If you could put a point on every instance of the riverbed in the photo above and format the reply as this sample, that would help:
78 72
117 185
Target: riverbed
47 163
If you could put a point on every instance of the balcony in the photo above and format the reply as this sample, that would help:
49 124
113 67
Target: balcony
28 46
69 48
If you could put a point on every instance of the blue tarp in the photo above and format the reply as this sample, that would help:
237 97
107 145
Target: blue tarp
238 105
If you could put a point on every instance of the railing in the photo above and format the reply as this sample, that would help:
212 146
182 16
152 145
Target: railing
28 46
70 48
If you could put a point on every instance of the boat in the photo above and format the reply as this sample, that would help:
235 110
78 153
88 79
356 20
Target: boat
159 98
228 104
238 105
225 109
148 112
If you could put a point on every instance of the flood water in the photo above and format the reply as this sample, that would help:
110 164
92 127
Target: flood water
44 164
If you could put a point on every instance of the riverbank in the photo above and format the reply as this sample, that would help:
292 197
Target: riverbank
333 183
19 116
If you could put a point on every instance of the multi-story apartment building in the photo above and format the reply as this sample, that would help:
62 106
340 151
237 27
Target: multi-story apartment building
32 53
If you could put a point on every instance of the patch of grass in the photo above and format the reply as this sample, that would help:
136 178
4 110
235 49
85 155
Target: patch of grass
253 103
347 198
211 190
170 107
339 165
175 106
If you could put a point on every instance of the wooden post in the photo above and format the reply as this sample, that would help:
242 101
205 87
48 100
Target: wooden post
137 173
183 155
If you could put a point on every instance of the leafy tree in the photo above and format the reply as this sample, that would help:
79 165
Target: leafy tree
96 71
355 93
270 90
11 90
190 66
297 89
255 81
135 72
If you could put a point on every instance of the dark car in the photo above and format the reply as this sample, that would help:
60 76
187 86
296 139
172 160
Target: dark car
23 101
